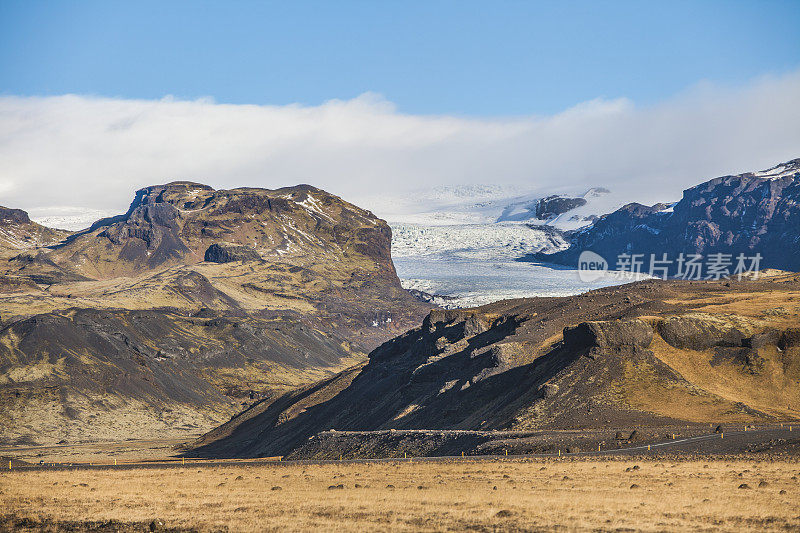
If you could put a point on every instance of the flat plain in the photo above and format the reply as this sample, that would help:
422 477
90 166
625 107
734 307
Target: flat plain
654 494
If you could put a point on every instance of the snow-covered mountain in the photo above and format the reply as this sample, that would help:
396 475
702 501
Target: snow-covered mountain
563 211
491 204
754 215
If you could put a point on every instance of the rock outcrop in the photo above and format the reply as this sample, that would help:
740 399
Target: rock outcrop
556 205
702 331
13 216
609 334
228 253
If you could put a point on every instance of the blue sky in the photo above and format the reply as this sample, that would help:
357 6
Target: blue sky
459 58
373 100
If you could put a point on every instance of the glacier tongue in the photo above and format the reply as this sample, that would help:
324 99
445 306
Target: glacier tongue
467 282
462 243
474 241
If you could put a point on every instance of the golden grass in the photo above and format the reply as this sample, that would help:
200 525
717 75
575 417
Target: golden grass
780 308
713 391
773 390
102 452
457 495
642 389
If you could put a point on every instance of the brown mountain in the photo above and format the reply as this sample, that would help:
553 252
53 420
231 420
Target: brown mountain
648 354
170 315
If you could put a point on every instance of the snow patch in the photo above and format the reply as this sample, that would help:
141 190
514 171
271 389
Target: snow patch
779 171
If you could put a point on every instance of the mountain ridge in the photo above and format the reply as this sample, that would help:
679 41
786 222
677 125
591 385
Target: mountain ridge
648 354
232 294
749 213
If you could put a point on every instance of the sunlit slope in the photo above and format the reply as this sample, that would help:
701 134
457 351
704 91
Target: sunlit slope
195 302
648 354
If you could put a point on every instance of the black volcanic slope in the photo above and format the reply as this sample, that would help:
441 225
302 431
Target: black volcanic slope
651 354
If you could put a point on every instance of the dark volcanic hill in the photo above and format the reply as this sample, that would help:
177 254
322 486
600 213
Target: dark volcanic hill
653 353
755 212
169 316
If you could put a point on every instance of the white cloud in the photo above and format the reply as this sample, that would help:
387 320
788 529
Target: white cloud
94 152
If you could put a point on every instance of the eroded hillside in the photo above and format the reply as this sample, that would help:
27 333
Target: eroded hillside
170 316
650 353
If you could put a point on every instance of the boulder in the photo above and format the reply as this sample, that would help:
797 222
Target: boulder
502 354
548 390
474 325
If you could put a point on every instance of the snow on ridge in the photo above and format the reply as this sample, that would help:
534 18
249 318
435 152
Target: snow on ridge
670 208
488 204
313 205
779 171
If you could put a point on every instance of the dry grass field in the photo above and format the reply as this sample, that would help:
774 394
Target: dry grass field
457 495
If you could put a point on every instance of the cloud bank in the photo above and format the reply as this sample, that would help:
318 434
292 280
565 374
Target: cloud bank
93 152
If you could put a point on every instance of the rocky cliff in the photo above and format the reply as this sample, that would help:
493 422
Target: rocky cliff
165 317
755 212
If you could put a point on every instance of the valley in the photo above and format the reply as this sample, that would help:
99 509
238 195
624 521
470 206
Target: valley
399 266
258 323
